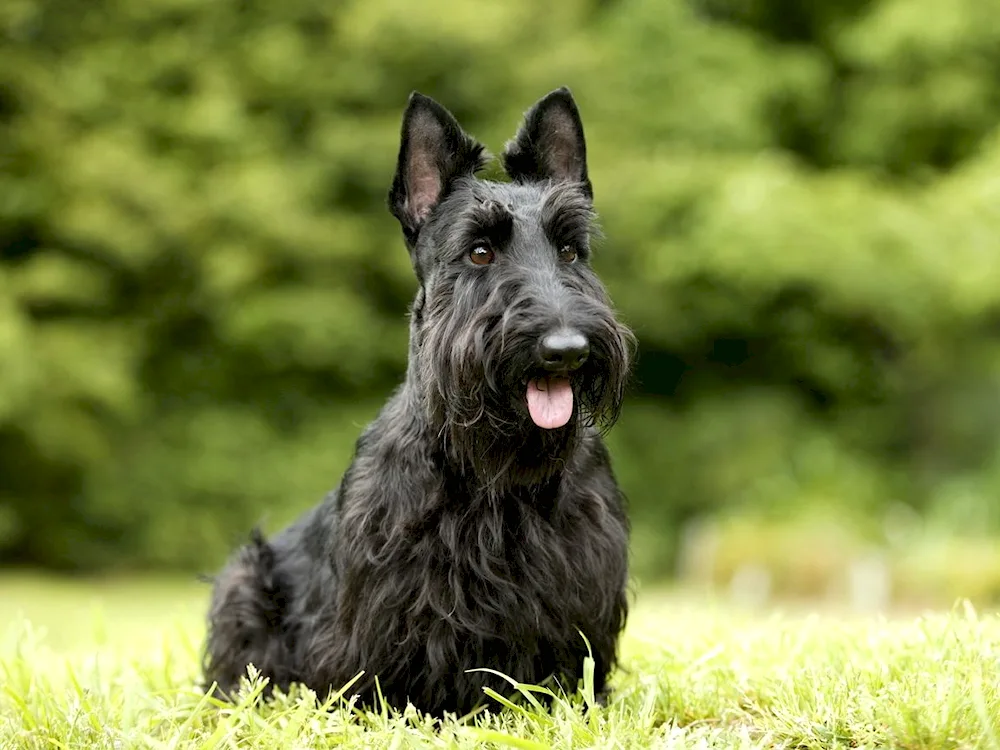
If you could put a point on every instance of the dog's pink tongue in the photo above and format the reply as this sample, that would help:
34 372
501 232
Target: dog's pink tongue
550 402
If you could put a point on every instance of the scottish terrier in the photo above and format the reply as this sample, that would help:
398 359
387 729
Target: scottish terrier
479 524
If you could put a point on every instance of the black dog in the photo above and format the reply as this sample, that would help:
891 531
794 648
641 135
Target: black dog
479 524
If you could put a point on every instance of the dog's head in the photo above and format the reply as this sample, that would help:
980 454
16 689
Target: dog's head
511 327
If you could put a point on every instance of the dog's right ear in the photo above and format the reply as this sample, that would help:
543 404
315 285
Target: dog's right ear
434 151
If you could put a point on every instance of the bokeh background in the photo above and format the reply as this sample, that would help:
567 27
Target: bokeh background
203 297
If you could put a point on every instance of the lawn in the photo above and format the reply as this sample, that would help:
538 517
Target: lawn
114 665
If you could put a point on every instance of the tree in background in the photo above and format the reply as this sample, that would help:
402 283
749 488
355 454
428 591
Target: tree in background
202 297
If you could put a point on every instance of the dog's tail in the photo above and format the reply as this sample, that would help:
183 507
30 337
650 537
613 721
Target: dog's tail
246 620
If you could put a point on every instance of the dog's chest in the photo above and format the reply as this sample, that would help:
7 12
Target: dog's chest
506 568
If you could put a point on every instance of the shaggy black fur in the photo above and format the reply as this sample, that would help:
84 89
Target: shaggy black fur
462 535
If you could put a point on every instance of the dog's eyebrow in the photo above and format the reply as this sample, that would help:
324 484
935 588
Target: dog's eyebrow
567 215
491 213
491 218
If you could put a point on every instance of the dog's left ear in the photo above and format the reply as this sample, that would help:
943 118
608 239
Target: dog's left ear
550 144
433 152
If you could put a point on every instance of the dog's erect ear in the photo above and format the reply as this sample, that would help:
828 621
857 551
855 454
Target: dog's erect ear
433 152
550 144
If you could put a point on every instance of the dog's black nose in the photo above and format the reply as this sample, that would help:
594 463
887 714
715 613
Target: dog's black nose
563 350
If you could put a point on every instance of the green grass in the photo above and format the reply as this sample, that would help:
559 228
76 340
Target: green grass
117 664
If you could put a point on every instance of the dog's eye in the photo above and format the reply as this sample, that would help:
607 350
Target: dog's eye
567 254
481 255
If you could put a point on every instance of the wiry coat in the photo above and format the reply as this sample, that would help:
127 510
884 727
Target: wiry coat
462 535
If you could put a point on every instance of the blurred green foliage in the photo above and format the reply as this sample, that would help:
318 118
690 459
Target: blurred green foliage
202 297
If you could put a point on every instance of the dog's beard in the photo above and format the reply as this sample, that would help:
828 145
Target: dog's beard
496 385
475 387
485 392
